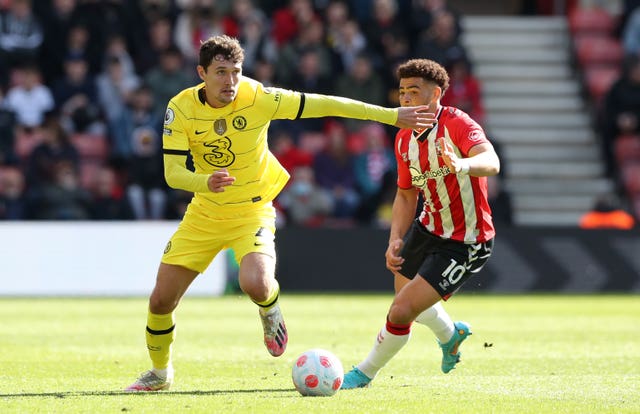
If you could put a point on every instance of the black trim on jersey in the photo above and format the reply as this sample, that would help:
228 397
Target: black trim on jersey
175 152
162 332
299 114
424 134
202 96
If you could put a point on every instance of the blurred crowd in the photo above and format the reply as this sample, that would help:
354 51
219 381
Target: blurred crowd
84 85
606 41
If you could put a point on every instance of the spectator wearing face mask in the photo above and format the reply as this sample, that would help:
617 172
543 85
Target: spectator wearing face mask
304 202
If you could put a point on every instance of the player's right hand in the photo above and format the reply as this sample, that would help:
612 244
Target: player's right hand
219 180
394 260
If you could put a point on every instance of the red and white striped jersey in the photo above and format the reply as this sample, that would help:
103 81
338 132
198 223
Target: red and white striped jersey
455 205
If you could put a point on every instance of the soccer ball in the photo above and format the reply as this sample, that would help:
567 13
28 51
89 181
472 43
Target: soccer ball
317 372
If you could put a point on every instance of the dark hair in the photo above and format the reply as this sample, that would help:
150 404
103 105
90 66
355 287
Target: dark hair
426 69
227 47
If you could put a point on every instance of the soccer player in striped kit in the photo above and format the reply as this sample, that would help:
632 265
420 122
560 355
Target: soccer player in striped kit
433 254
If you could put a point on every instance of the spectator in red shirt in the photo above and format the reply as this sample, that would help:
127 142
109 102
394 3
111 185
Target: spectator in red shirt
287 21
464 90
287 153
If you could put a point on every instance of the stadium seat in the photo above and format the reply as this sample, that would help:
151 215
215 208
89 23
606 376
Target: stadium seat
88 171
597 49
25 142
635 202
599 79
627 149
631 178
2 172
91 146
591 20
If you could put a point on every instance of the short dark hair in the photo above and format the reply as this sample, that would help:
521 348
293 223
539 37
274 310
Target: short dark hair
426 69
227 47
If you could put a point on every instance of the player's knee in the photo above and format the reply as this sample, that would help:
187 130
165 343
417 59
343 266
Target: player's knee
401 313
256 290
161 306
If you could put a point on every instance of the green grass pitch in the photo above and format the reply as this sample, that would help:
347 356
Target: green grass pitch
528 354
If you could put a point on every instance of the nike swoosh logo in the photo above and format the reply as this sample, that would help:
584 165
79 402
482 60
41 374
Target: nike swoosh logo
200 132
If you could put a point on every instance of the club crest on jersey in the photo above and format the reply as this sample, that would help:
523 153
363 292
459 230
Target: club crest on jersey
475 136
220 126
169 116
239 122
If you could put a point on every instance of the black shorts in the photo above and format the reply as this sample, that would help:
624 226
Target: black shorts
446 264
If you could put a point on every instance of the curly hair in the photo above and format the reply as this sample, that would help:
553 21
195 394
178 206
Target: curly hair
426 69
225 46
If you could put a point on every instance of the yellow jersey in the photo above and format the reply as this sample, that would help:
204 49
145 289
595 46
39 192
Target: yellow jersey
235 137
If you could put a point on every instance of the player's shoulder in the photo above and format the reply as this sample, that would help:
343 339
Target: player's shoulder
455 118
453 115
402 138
188 97
250 85
251 92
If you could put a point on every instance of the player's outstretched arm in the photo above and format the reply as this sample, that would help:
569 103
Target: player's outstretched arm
318 106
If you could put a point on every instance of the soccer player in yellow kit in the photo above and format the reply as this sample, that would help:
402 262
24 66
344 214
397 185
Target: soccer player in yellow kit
223 123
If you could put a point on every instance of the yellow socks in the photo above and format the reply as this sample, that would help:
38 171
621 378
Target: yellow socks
160 335
271 301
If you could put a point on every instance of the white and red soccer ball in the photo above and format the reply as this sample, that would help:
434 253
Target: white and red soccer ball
317 372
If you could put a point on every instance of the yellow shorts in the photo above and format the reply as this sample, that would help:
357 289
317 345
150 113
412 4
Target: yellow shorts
200 236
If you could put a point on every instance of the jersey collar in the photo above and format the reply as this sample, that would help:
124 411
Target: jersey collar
422 135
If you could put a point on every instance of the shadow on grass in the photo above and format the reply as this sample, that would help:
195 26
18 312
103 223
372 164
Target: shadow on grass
119 393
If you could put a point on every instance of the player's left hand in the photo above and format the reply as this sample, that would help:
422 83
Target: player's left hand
415 117
219 180
445 150
392 255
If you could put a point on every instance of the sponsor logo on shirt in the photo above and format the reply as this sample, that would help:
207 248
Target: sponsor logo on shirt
418 179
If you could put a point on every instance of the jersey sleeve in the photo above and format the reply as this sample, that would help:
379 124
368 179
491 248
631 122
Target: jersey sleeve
404 176
177 175
317 106
294 105
175 147
285 102
467 134
174 136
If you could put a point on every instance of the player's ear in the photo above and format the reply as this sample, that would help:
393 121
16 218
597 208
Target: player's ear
437 93
201 71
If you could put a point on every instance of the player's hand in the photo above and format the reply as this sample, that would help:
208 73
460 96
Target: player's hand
415 117
445 150
219 180
394 261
